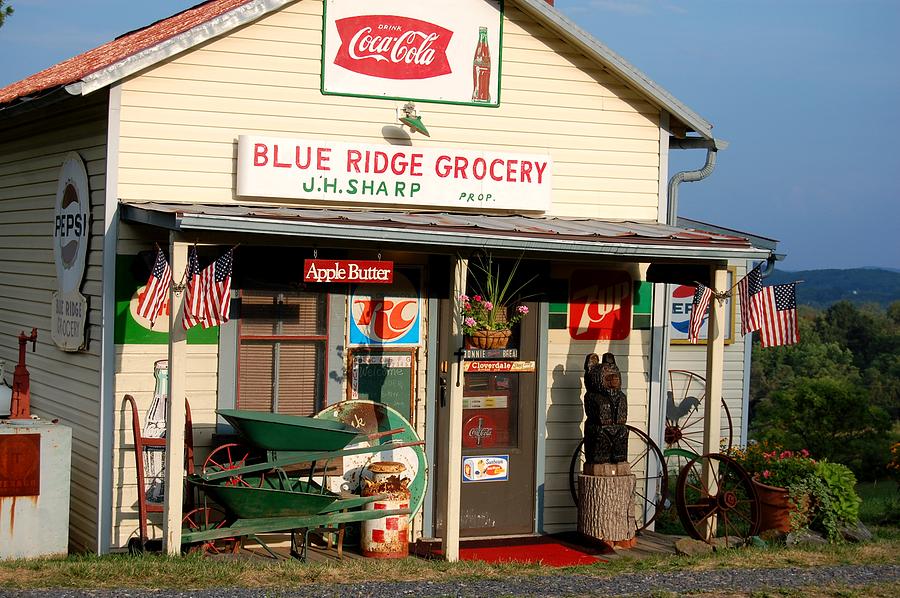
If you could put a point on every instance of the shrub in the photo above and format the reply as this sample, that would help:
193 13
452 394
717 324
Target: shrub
823 493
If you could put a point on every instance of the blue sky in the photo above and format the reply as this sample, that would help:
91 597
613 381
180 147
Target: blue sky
805 91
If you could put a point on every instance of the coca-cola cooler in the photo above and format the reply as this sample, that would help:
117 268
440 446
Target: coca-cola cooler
35 474
489 410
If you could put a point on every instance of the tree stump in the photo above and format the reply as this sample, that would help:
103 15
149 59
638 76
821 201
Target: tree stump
606 507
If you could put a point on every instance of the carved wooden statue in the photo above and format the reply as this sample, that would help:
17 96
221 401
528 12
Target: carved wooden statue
606 408
606 485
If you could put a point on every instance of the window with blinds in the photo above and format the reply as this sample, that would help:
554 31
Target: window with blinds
281 356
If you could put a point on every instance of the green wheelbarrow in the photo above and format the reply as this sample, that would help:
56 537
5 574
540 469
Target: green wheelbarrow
257 494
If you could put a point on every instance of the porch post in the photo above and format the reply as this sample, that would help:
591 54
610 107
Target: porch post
174 475
715 363
454 433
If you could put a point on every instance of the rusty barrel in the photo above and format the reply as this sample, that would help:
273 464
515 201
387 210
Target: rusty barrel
386 537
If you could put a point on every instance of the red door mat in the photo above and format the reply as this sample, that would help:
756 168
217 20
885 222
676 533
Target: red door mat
546 550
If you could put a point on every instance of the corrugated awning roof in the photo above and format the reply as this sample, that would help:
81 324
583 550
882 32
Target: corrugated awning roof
538 234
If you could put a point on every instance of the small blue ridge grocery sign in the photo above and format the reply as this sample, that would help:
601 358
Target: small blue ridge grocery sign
386 174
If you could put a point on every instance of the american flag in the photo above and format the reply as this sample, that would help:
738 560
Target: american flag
750 288
701 301
215 282
778 312
156 291
193 298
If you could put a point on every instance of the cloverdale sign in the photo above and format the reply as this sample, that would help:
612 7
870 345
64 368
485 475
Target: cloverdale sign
354 173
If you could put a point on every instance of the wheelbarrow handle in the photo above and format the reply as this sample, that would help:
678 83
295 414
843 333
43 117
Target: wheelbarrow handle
377 435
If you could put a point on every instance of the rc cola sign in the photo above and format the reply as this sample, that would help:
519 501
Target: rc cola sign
387 314
439 51
71 236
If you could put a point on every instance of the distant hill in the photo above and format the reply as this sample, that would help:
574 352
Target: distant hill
822 288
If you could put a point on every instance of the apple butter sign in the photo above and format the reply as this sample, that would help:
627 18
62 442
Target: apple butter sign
438 51
71 235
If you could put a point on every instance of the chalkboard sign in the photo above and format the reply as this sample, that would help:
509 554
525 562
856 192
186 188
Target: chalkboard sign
385 376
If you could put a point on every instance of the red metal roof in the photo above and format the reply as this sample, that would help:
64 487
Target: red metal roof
76 68
546 233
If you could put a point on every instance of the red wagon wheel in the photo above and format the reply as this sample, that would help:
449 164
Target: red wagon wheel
207 518
685 415
730 504
229 457
649 467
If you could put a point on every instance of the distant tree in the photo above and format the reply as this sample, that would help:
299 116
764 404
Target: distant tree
5 11
831 417
867 332
835 393
778 368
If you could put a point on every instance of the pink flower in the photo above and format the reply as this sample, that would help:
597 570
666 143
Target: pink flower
488 305
786 455
766 474
468 305
522 309
463 297
477 297
469 321
804 452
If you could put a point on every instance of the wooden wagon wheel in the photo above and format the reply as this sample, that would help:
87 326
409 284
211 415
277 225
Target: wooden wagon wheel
228 457
651 491
207 518
685 415
732 507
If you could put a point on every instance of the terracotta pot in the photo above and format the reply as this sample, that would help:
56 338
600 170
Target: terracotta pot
488 339
775 507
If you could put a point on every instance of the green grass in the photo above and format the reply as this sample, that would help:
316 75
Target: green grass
880 502
192 572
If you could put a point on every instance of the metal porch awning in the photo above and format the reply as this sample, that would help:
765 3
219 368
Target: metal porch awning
547 235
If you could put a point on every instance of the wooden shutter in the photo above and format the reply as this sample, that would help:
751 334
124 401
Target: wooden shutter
282 351
256 374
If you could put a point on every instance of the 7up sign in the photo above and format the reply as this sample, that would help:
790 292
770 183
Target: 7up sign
600 305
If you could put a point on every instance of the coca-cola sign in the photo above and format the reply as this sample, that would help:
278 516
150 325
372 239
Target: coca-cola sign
435 51
393 47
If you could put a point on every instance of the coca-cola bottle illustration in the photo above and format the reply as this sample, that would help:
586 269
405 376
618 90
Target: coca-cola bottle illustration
155 427
481 69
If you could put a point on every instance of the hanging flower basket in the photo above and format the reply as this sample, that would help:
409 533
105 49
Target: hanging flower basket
488 339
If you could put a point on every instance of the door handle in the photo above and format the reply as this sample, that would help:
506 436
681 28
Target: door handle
443 391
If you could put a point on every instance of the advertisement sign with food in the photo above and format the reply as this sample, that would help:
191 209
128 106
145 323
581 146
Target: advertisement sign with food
494 468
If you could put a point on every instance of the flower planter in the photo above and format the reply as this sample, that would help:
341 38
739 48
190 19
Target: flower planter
488 339
775 507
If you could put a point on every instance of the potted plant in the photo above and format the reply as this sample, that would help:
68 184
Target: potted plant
489 314
796 491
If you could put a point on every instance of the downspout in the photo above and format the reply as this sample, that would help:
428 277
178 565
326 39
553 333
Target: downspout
665 302
691 176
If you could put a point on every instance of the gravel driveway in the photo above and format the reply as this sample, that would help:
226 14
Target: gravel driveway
562 585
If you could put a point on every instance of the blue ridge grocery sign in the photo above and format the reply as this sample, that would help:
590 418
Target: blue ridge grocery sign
387 174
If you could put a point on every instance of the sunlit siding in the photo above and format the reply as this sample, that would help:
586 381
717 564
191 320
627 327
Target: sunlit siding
180 120
693 359
63 385
565 406
134 376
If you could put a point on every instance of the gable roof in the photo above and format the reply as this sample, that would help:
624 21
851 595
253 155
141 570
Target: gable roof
142 48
